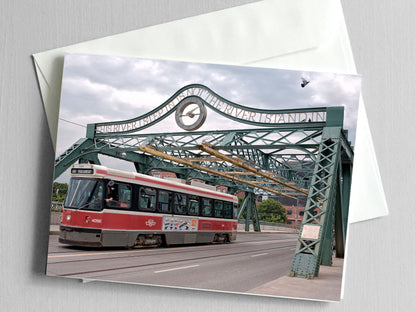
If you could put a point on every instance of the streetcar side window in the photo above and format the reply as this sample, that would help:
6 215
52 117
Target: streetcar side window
235 211
218 209
163 203
97 197
228 210
147 200
193 209
206 207
118 196
179 203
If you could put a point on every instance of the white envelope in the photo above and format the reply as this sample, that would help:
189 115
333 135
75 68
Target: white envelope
300 35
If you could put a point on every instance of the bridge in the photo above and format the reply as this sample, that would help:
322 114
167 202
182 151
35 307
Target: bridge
292 153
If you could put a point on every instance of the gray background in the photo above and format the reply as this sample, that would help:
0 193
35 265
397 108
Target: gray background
381 262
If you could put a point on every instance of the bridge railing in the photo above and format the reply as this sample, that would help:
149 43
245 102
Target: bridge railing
268 226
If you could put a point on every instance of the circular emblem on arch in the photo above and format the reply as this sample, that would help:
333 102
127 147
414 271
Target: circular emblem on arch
191 113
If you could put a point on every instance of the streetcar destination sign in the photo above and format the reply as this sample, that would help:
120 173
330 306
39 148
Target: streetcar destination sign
81 171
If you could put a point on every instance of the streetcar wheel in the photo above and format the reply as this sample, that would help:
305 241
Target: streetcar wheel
148 240
227 239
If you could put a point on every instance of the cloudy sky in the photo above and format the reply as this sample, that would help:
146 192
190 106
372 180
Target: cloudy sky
107 88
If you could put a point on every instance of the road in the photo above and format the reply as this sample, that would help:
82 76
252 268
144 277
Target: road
250 261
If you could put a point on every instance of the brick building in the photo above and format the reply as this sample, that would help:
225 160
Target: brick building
295 209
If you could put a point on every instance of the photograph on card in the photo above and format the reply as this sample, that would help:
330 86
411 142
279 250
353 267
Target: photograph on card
203 176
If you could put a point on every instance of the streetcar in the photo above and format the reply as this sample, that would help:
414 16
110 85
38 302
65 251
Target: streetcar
107 207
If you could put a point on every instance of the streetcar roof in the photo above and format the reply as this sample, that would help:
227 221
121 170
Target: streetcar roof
139 178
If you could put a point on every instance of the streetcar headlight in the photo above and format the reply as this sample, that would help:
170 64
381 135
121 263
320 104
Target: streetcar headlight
68 217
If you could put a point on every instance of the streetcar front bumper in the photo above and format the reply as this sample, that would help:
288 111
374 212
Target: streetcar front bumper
80 236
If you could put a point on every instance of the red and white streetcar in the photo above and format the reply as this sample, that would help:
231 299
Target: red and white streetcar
109 207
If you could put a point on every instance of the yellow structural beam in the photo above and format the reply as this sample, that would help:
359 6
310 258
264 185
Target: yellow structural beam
151 150
239 172
237 162
265 182
247 173
196 159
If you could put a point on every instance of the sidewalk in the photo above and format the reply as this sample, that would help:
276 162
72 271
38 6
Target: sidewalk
266 232
327 286
54 229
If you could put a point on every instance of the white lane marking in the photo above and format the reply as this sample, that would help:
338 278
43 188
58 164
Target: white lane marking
94 254
178 268
258 255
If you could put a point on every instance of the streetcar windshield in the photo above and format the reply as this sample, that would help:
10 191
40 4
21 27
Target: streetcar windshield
85 194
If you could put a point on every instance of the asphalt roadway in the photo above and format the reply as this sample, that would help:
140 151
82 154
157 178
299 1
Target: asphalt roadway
257 263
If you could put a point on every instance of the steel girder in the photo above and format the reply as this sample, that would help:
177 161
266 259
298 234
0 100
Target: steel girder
251 145
297 118
249 206
288 153
266 149
325 207
87 150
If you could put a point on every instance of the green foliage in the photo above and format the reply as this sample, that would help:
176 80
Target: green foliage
59 191
271 210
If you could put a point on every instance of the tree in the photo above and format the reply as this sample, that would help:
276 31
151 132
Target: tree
271 210
59 191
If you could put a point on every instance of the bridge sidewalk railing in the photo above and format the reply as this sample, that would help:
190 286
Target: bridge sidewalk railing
267 227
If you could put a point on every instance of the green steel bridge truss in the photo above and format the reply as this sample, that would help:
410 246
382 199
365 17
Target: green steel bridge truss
310 155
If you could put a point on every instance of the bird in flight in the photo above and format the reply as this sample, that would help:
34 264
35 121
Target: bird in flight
304 82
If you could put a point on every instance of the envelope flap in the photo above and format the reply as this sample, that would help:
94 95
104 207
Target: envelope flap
252 32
